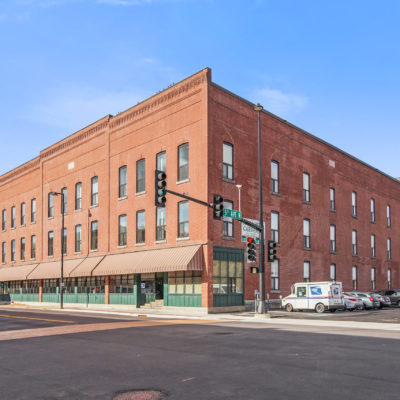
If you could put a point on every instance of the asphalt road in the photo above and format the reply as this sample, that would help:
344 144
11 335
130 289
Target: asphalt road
189 360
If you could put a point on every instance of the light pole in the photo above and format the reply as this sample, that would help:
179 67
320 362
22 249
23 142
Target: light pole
261 306
62 248
239 187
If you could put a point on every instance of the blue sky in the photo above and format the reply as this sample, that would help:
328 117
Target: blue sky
331 68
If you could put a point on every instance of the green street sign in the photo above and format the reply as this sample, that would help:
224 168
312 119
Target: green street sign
232 214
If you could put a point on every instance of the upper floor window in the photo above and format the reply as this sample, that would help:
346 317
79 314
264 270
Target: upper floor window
274 176
64 241
22 249
354 204
140 176
50 205
23 209
332 199
122 230
122 186
161 161
183 162
64 201
93 235
354 242
354 276
389 249
140 226
389 278
228 222
306 271
94 191
50 243
306 234
372 210
275 226
275 275
13 250
78 238
3 252
183 219
332 272
4 220
13 216
373 278
33 211
388 216
373 253
33 247
227 162
306 187
332 237
161 223
78 196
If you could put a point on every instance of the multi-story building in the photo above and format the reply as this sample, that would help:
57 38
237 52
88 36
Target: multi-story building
334 217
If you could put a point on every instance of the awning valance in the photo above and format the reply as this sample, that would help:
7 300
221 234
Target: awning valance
17 273
52 269
180 258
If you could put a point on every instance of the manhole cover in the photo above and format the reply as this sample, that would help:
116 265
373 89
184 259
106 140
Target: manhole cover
141 395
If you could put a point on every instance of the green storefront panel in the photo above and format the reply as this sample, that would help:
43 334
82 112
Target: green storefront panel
51 298
123 298
182 300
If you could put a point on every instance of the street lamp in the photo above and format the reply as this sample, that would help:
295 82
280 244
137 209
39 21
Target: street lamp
239 187
62 248
261 306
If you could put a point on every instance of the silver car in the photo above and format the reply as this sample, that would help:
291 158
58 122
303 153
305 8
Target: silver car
352 302
367 299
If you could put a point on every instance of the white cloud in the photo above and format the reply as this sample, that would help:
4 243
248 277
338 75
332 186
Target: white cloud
278 102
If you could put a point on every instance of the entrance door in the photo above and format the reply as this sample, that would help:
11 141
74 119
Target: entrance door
159 286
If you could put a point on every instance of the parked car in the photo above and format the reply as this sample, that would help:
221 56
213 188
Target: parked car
377 299
352 302
367 300
385 301
393 294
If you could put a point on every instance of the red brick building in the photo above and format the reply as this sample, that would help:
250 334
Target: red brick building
333 216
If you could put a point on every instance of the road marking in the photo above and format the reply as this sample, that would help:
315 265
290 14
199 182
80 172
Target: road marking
38 319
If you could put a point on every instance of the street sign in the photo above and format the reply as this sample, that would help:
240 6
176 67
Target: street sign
235 214
248 231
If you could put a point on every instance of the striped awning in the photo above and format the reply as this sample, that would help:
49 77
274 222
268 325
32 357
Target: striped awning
17 273
86 267
182 258
52 269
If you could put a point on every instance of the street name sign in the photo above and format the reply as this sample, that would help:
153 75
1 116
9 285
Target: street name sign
235 214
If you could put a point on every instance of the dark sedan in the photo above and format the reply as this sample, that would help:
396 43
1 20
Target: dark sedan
393 294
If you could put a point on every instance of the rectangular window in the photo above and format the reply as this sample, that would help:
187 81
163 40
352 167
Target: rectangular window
306 187
388 216
332 272
161 161
140 176
183 162
372 210
33 211
33 247
306 234
122 230
50 206
354 277
94 191
64 201
373 254
354 204
389 278
228 222
275 275
13 216
4 220
183 219
389 249
354 242
227 273
306 271
64 241
78 196
332 237
23 209
227 163
13 250
373 278
161 224
22 249
140 226
3 252
78 238
122 185
275 226
274 176
93 235
332 199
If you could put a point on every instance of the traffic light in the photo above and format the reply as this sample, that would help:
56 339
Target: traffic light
271 250
160 188
251 250
218 206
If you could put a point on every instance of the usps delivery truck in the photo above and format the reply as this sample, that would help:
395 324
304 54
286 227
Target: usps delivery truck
318 296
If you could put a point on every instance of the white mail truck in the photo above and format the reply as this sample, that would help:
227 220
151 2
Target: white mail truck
318 296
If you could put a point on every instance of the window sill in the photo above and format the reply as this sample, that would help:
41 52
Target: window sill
333 210
22 226
354 216
373 222
12 262
278 194
228 180
140 244
354 255
50 256
22 259
160 241
373 258
121 247
228 238
140 193
275 291
183 181
3 263
93 250
33 223
4 230
13 228
32 259
332 252
308 203
122 198
78 210
181 239
307 248
50 218
93 206
76 253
